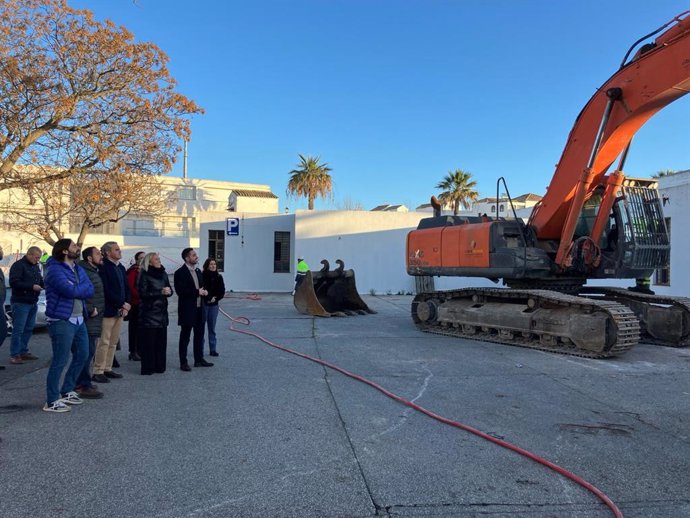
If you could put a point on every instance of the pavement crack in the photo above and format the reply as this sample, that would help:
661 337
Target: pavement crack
406 413
347 434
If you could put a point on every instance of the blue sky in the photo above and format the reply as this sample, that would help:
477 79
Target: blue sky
393 94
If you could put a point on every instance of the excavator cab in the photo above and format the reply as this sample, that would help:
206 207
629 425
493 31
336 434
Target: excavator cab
635 241
329 293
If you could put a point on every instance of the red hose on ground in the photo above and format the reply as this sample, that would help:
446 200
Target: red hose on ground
561 471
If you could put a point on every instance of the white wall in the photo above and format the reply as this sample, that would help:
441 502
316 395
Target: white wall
371 243
677 188
249 256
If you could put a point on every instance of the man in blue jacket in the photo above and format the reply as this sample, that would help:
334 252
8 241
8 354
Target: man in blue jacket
67 289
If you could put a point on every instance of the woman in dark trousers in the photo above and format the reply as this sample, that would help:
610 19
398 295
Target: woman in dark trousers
154 290
133 315
213 282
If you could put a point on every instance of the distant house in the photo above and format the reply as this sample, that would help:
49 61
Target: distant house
491 207
502 207
390 208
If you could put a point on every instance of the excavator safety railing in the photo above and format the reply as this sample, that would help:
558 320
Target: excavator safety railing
644 228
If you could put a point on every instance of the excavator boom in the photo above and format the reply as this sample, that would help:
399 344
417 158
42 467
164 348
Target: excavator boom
654 78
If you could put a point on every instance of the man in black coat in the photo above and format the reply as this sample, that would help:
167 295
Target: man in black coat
191 294
117 304
3 318
26 283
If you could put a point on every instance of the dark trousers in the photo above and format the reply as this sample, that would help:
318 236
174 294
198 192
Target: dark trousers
185 333
133 329
153 346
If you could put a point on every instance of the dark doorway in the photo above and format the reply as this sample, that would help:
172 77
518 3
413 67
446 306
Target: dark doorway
216 248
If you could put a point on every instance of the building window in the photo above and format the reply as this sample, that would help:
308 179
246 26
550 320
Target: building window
174 226
281 252
493 208
662 276
140 227
186 192
502 208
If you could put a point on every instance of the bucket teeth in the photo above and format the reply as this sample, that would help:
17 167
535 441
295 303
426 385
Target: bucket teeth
330 293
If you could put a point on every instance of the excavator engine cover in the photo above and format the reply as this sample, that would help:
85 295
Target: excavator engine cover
330 293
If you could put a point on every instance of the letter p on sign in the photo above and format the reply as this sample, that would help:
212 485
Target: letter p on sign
232 226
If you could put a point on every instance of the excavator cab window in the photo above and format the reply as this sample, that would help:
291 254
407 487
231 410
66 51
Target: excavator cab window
587 216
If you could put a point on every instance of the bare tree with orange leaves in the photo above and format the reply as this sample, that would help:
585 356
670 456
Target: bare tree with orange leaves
83 202
80 96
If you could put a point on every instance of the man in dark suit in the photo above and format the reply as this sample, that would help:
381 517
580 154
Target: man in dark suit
190 308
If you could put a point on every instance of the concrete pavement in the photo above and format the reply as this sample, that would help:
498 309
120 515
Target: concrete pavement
264 433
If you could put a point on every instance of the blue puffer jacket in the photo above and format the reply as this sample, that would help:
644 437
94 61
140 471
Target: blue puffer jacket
63 285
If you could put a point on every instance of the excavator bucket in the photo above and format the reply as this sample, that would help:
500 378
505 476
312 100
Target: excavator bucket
330 293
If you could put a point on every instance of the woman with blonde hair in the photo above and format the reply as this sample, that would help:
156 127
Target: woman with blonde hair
154 290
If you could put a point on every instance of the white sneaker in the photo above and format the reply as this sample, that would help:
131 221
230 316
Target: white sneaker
71 398
56 406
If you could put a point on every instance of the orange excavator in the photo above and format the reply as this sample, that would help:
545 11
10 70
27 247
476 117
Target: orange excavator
592 223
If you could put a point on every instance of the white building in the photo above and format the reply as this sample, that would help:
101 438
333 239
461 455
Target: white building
675 194
195 201
390 208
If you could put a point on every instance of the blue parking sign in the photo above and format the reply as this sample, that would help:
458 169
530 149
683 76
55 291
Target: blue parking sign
233 226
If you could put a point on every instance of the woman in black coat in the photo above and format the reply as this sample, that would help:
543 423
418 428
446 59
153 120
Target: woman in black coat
213 282
154 289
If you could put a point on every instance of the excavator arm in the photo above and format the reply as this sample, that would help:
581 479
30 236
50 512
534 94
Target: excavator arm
655 77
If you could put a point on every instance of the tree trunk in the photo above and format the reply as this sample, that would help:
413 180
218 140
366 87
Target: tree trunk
311 203
82 234
456 205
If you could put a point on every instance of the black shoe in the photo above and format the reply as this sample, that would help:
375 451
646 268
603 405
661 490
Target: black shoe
185 367
116 364
113 375
134 357
213 353
203 363
100 378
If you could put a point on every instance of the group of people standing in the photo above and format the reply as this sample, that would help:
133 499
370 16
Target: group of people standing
87 300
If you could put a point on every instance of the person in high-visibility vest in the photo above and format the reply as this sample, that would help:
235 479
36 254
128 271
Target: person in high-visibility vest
642 285
302 269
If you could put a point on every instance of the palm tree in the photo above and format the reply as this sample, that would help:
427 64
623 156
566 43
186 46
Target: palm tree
458 189
310 179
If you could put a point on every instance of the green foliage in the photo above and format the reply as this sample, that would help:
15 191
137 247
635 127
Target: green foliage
458 189
310 180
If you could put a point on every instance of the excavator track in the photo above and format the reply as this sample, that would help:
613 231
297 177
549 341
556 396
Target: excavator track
538 319
663 320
